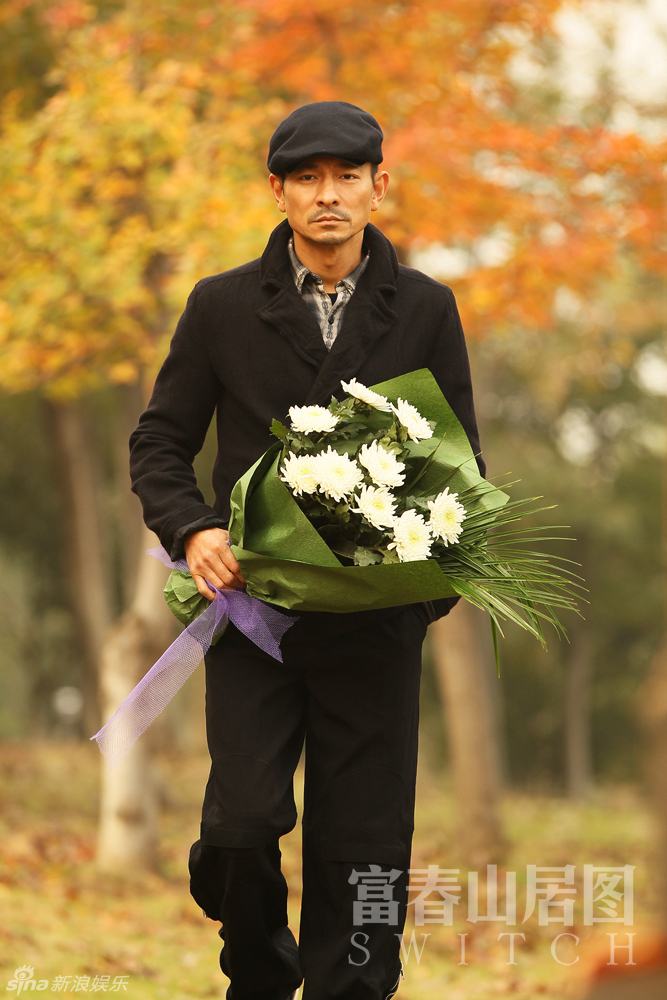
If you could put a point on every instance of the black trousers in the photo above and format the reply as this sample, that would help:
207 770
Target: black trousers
351 691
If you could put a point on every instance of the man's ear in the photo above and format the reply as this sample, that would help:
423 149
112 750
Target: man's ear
379 189
278 192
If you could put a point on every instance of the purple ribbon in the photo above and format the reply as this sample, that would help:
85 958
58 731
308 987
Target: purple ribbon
262 624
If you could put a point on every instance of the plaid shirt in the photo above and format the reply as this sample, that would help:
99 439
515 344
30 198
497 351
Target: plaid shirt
311 288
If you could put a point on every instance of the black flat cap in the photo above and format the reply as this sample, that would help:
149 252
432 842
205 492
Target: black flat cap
326 128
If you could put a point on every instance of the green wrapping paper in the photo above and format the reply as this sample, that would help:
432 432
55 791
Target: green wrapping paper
184 600
286 562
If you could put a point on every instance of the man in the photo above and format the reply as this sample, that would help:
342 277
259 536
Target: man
326 301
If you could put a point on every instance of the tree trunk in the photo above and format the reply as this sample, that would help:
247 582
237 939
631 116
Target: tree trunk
127 835
578 712
652 706
464 683
87 562
130 403
128 830
653 712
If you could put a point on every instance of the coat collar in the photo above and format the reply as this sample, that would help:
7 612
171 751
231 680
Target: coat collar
275 267
368 314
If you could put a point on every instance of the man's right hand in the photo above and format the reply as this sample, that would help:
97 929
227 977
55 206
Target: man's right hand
209 557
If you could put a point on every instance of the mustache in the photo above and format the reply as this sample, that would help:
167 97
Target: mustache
342 216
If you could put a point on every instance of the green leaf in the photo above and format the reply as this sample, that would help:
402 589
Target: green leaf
423 468
416 503
342 512
279 430
342 547
366 557
494 636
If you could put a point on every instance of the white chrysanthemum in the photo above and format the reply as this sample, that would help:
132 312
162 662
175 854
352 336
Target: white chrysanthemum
298 472
447 517
383 466
311 419
337 475
378 505
412 537
418 427
366 395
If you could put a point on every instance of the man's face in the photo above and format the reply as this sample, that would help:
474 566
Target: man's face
327 200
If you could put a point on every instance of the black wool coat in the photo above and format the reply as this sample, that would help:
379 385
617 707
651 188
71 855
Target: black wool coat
247 348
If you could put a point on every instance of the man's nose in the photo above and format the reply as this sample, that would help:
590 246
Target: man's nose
327 193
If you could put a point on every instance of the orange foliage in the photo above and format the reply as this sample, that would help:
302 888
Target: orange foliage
463 164
146 170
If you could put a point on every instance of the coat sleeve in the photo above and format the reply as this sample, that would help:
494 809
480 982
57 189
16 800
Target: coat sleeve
449 365
172 431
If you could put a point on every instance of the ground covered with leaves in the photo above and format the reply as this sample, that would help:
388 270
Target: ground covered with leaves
63 918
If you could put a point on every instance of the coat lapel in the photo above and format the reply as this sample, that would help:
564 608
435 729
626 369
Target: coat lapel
367 318
368 314
290 315
286 310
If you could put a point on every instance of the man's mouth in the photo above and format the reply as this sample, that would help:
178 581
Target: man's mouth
330 218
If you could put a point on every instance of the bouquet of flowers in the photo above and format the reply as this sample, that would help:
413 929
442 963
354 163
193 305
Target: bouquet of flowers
372 502
377 501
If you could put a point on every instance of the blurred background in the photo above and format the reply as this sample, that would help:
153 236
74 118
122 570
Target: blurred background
526 145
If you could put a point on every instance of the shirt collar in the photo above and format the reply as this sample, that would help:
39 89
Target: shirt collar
301 272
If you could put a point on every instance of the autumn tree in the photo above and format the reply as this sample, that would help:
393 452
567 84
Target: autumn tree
116 192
